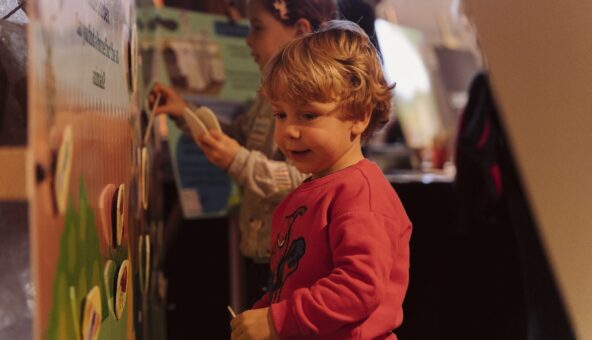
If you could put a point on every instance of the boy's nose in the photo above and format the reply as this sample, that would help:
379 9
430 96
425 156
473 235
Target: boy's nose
292 131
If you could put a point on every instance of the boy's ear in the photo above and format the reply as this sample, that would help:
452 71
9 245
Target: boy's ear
303 26
360 125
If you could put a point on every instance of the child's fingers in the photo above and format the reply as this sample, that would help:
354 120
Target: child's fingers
159 88
157 85
208 140
234 323
167 94
236 327
172 110
151 99
161 109
154 91
218 135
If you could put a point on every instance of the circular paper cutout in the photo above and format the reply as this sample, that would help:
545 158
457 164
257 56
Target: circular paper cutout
91 319
105 207
120 217
123 284
109 278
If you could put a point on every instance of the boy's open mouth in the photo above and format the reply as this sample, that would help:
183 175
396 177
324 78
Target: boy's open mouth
299 152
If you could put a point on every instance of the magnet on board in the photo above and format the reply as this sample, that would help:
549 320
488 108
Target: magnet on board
92 315
122 287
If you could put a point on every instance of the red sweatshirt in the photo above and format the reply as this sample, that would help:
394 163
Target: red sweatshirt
340 258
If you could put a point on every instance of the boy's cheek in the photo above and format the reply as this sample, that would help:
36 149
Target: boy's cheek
283 150
278 139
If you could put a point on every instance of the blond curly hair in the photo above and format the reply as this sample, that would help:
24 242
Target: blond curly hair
337 63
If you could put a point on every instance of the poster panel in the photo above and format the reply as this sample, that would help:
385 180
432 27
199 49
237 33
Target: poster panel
93 246
205 58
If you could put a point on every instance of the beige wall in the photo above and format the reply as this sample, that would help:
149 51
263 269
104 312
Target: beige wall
540 58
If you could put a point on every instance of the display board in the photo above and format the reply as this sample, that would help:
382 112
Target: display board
205 58
95 247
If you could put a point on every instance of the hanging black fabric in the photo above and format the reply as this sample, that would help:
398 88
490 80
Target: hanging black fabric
511 288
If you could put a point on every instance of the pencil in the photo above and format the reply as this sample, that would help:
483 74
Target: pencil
232 313
151 119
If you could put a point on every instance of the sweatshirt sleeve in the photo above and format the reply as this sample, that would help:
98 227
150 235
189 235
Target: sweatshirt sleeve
362 254
262 303
265 177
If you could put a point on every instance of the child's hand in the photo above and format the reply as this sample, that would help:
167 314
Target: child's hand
170 102
254 324
219 148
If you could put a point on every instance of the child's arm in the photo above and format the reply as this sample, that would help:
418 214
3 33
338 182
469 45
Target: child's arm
254 170
171 104
265 177
219 148
251 169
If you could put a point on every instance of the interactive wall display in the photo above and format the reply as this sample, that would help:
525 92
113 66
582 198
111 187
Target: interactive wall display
95 248
205 58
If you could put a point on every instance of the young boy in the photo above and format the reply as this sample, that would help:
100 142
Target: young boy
340 241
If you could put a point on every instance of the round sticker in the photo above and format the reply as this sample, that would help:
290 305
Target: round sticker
120 217
105 210
109 277
91 319
123 284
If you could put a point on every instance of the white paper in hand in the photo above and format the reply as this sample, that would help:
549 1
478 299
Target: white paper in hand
201 121
195 124
208 118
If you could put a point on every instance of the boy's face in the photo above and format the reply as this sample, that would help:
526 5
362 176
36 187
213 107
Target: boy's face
316 138
267 34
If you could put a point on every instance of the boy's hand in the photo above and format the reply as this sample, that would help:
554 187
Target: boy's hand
254 324
219 148
170 102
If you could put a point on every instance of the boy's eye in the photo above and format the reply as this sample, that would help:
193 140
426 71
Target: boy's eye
279 115
309 115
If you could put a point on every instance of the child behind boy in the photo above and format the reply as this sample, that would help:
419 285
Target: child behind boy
340 241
